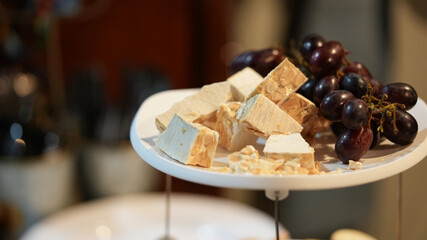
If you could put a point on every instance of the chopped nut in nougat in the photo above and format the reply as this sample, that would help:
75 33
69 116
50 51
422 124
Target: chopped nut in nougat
305 113
298 107
262 117
232 135
280 82
248 160
189 143
354 165
291 148
248 153
201 105
315 124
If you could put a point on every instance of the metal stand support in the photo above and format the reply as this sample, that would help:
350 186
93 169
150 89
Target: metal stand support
276 196
168 191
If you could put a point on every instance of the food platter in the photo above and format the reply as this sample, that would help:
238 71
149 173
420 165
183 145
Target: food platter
385 160
141 216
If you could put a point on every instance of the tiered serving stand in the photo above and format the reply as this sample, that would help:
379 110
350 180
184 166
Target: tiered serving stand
386 160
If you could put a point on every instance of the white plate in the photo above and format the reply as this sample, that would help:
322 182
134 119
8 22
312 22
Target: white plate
385 160
193 217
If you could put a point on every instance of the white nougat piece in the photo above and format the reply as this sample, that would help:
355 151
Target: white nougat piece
232 135
189 143
291 148
298 107
305 113
280 82
198 106
315 124
243 83
247 160
262 117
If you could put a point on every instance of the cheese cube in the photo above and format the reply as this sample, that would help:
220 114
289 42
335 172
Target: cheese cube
281 81
201 105
291 148
243 83
232 135
262 117
189 143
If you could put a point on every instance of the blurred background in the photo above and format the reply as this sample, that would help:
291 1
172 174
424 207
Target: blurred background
74 72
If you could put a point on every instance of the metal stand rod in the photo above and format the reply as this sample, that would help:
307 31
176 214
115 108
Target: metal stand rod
277 216
399 206
168 196
276 196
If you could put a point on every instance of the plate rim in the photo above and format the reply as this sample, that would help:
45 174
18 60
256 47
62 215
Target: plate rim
270 182
62 221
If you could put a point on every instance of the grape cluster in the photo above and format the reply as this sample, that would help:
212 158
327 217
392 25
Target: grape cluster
360 108
262 61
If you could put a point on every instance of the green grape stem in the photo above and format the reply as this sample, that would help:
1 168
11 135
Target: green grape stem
383 107
339 73
295 55
377 106
346 61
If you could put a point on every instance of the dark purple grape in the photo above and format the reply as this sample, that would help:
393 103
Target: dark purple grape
407 127
304 70
337 128
353 144
262 61
355 114
358 68
355 84
401 93
325 85
375 123
333 103
266 60
310 43
377 87
241 61
327 59
307 88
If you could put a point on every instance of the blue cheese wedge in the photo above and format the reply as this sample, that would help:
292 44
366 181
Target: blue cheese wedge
200 106
292 148
263 117
280 82
232 135
243 83
189 143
